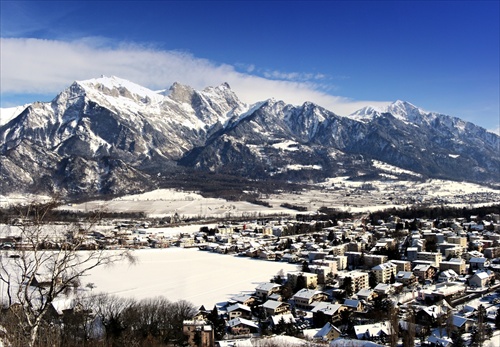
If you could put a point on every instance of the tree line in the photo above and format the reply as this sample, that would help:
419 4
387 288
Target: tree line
438 212
105 321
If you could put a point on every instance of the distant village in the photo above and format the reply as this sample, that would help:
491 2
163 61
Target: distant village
361 282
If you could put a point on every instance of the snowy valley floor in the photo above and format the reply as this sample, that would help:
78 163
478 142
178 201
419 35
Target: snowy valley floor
203 278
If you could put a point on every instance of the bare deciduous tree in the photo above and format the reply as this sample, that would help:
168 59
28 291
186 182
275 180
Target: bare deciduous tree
47 262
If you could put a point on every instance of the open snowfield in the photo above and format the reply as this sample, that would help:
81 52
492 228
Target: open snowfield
203 278
167 202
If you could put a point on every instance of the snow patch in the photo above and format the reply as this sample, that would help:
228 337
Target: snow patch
393 169
287 146
296 167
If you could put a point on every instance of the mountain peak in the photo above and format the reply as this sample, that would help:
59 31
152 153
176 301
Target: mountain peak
404 110
400 109
115 86
402 105
181 93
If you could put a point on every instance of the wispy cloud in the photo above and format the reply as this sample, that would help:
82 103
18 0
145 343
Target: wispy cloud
48 66
292 76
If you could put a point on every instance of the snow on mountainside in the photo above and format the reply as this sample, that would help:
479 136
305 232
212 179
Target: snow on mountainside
9 113
98 134
110 136
400 109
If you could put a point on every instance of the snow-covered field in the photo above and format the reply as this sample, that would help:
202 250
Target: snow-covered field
203 278
163 202
339 193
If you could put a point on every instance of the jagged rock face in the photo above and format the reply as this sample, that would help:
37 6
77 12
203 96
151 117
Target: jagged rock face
110 136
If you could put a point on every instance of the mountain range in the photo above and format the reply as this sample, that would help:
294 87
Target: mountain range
109 136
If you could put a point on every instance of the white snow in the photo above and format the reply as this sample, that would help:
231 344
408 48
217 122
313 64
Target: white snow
297 167
287 145
22 199
114 82
338 192
393 169
203 278
167 202
9 113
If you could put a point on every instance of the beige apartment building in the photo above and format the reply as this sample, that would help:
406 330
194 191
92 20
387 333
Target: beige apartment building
434 257
455 264
359 280
402 265
311 279
458 240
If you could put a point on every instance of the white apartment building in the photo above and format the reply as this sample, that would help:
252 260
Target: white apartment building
384 271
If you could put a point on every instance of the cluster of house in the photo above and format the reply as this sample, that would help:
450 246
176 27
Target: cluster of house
437 269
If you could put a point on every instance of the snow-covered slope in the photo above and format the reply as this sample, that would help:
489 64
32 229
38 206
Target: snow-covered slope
9 113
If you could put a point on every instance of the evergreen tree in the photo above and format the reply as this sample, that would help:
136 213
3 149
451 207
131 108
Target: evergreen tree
372 279
280 327
286 291
305 266
347 286
319 319
480 331
457 339
409 333
497 320
329 278
218 323
301 283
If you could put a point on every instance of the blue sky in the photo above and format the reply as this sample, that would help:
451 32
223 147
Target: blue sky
442 56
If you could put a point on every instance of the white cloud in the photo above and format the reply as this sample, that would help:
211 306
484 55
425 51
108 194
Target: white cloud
49 66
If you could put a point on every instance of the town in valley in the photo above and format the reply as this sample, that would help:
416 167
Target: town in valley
416 276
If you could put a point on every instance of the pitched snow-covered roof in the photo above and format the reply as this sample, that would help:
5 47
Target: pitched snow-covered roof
267 286
273 304
306 293
237 321
238 306
382 287
326 308
448 273
459 321
482 275
241 298
440 341
404 275
477 260
352 303
323 332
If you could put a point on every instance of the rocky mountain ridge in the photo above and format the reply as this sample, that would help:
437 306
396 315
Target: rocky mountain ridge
111 136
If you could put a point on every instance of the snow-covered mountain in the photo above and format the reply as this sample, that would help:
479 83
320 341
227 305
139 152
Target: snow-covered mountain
111 136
